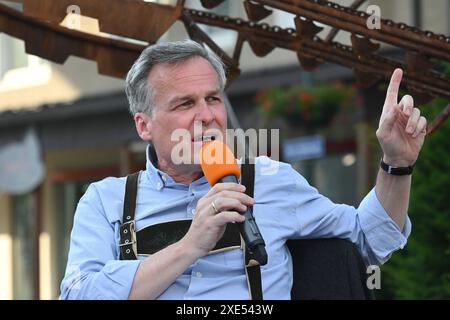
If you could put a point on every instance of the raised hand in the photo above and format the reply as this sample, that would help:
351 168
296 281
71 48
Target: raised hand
401 131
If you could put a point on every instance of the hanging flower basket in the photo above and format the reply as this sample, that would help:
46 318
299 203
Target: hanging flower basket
305 106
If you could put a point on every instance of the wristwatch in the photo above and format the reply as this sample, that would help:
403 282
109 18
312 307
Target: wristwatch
396 171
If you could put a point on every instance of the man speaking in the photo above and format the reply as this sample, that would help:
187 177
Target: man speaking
166 233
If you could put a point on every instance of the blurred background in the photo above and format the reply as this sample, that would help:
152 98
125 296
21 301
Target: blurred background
65 126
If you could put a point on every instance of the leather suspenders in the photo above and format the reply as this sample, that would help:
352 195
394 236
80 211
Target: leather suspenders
145 242
252 267
128 245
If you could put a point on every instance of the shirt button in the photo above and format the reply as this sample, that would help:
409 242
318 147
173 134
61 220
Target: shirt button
198 274
193 211
159 185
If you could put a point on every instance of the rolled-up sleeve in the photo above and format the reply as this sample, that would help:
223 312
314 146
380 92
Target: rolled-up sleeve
381 232
93 271
369 226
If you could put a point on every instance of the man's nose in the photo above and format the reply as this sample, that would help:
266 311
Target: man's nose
204 113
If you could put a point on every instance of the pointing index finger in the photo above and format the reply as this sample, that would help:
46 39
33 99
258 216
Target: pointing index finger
394 86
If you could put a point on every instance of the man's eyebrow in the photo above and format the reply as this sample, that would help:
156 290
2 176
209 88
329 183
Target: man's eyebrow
213 92
177 99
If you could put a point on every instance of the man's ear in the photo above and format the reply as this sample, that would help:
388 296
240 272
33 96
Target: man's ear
144 125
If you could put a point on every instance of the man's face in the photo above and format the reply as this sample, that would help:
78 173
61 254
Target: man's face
187 95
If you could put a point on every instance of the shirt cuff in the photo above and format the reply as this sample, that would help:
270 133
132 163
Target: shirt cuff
112 282
117 279
383 235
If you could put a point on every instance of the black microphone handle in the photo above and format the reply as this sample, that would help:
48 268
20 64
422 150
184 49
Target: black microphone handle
252 237
249 230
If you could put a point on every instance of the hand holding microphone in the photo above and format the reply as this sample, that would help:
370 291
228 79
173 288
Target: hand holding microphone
219 166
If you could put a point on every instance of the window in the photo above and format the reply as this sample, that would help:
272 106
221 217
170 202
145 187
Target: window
335 176
12 51
12 55
25 253
67 196
18 69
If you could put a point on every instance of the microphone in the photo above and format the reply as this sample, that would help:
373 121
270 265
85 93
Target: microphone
219 165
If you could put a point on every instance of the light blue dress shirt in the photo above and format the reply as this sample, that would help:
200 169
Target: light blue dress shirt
286 207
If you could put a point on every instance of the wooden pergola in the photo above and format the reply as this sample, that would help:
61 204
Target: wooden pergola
39 26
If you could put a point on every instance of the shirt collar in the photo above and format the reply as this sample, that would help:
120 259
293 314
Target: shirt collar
152 172
158 178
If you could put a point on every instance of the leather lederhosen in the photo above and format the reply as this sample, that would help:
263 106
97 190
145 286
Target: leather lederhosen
154 238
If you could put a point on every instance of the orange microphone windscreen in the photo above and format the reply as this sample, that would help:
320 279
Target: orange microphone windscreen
217 161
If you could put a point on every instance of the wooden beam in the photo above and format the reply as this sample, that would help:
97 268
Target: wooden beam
56 43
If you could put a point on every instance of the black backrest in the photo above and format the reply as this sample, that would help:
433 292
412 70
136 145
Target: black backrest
328 269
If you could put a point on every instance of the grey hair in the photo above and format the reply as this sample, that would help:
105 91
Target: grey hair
139 90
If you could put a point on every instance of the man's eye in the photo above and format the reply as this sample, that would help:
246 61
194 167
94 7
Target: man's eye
213 99
185 104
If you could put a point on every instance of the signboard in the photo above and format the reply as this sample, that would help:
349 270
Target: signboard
304 148
21 168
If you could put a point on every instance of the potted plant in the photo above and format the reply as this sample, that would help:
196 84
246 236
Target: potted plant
303 105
